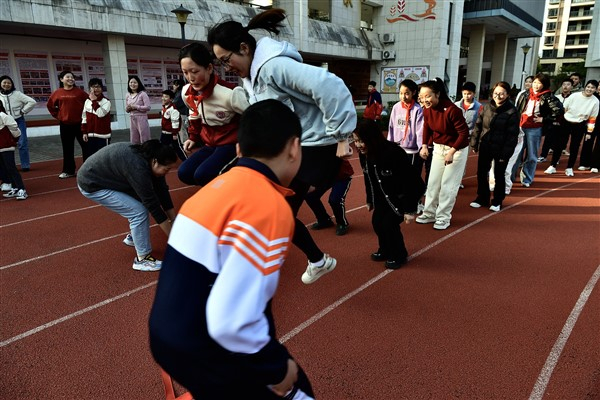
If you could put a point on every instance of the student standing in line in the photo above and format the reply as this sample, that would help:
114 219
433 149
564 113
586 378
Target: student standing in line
95 120
393 189
211 325
66 105
494 138
272 69
215 108
17 105
406 123
9 135
374 105
445 124
470 108
177 87
170 122
550 131
137 105
129 179
516 160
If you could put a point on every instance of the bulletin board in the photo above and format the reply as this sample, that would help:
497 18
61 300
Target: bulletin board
392 76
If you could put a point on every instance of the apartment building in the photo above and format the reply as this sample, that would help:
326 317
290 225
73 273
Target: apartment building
358 40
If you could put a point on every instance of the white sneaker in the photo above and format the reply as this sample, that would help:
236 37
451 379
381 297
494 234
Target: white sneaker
129 240
424 219
582 168
550 170
313 273
6 187
495 208
569 172
64 175
147 264
420 208
12 193
594 170
21 194
440 225
475 204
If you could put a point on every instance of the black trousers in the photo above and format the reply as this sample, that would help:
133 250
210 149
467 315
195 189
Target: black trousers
68 134
575 132
386 224
484 162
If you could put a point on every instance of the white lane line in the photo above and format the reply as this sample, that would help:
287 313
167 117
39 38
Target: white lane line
48 216
542 381
75 314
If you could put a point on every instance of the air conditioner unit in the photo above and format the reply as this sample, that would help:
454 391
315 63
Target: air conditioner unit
388 55
388 38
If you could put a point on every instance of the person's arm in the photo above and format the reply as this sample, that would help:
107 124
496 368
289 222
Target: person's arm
511 136
424 153
143 103
474 141
11 124
28 103
175 118
101 108
52 105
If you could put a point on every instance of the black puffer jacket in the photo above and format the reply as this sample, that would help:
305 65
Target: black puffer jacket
551 109
496 130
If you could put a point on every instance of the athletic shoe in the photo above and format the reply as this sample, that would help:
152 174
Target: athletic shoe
25 169
313 273
321 225
12 193
6 187
477 203
550 151
64 175
495 208
395 264
569 172
582 168
440 225
424 219
129 240
550 170
147 264
21 194
526 184
341 230
378 256
522 176
594 170
420 208
461 186
566 153
541 159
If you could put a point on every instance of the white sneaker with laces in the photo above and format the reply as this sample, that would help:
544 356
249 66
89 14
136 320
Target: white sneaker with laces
550 170
582 168
21 194
129 240
12 193
424 219
475 204
440 225
147 264
313 273
64 175
569 172
6 187
495 208
594 170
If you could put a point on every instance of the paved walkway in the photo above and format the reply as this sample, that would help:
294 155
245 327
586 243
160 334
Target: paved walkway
45 148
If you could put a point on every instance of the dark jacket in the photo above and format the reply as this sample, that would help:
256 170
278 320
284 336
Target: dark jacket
390 179
496 130
551 109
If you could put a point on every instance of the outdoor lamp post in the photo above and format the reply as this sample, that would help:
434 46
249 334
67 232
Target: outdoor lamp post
525 49
182 16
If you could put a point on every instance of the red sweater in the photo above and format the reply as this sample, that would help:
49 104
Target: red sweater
67 105
445 124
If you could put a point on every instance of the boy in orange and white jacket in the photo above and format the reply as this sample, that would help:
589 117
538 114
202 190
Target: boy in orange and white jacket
170 123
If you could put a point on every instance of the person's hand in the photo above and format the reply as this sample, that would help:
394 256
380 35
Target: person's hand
188 145
93 96
370 206
127 108
588 136
85 137
449 158
287 384
408 218
174 137
424 153
343 149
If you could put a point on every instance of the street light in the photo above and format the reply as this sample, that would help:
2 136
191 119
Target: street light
525 49
182 16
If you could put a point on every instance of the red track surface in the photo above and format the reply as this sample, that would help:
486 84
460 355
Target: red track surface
477 313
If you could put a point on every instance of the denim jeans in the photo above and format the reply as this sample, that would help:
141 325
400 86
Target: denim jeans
130 208
23 143
533 137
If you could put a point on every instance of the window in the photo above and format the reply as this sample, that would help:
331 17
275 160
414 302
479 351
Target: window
319 10
549 40
549 54
551 26
553 12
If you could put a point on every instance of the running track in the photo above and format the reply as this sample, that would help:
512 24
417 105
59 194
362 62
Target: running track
499 306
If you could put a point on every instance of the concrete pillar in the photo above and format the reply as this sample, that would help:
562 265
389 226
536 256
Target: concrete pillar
475 58
115 70
297 16
499 58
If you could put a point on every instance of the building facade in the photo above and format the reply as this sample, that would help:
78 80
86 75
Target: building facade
381 40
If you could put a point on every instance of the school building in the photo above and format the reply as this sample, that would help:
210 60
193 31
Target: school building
359 40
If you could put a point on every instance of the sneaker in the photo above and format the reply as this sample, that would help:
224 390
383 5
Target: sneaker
541 159
420 208
129 240
569 172
341 230
313 273
64 175
594 170
495 208
526 184
424 219
582 168
378 256
21 194
395 264
6 187
25 169
550 170
12 193
522 176
321 225
477 203
461 186
566 153
441 225
550 151
146 264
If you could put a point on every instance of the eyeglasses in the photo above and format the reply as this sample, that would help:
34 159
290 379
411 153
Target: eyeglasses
225 60
499 94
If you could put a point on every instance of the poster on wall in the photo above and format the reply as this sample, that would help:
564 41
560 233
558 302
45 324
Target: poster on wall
152 78
392 76
173 70
33 71
94 66
4 63
70 63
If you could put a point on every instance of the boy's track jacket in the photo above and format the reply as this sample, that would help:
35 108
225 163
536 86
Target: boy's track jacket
95 120
220 271
171 120
9 132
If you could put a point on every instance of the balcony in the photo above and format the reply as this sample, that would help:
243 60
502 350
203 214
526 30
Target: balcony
473 6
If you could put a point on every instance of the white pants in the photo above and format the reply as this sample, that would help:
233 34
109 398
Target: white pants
444 181
510 165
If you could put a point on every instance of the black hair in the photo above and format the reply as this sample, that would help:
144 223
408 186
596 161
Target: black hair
593 82
567 80
370 134
529 77
231 34
62 74
12 89
577 74
373 83
544 80
198 53
141 86
504 85
437 86
178 82
265 129
169 92
95 81
411 85
470 86
153 149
